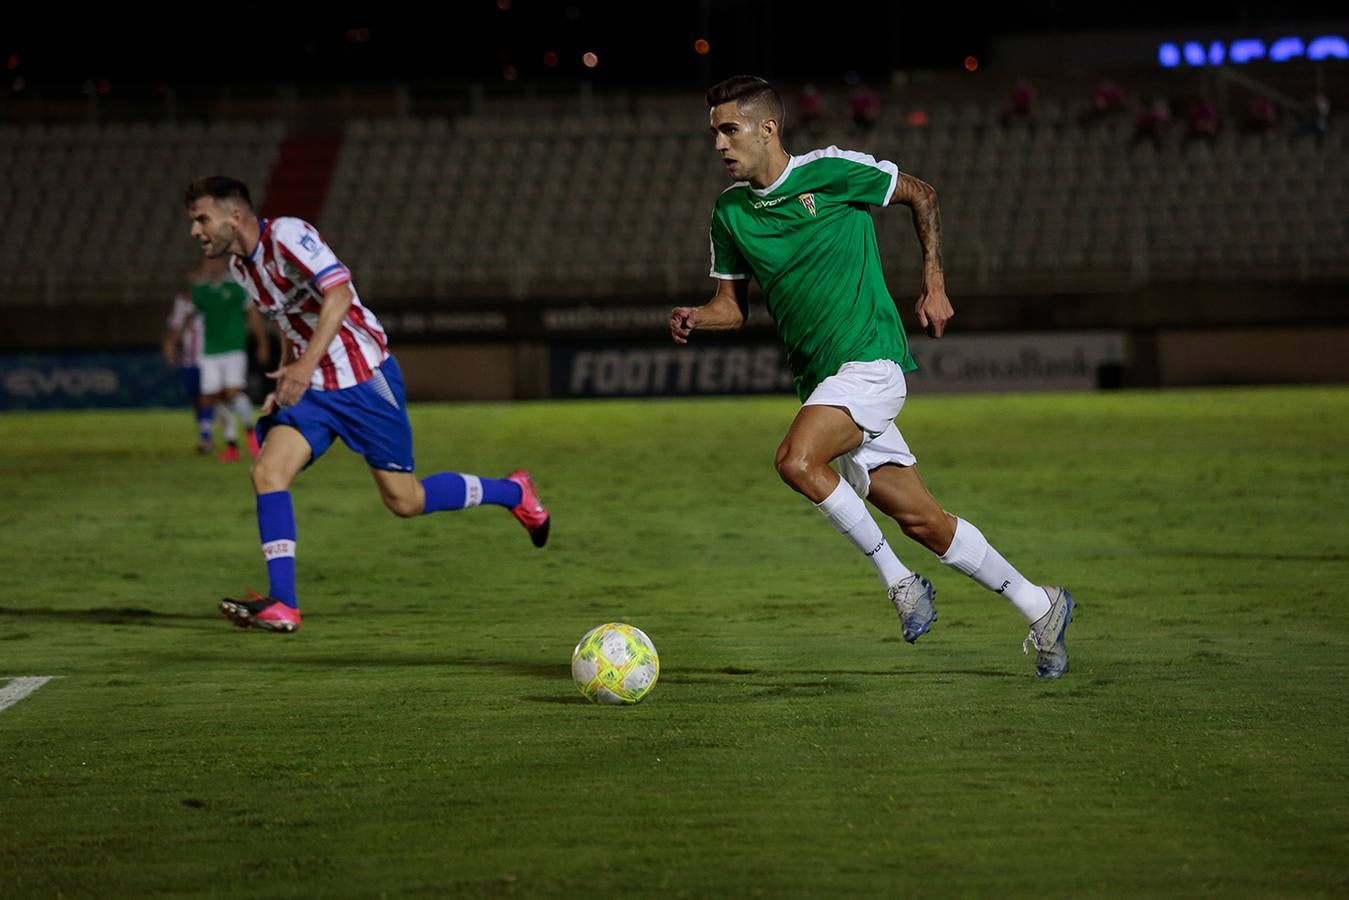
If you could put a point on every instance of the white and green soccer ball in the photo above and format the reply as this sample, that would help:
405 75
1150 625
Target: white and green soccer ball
615 663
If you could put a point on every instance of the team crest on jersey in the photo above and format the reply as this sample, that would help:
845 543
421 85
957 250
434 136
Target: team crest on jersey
808 201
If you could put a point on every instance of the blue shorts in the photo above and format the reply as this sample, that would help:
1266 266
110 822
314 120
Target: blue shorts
370 418
190 378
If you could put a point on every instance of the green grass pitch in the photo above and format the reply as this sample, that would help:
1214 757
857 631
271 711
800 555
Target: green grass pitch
420 736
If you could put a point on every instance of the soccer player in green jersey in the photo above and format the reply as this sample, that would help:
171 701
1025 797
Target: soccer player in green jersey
227 316
801 227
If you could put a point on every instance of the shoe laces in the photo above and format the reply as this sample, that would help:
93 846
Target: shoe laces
902 591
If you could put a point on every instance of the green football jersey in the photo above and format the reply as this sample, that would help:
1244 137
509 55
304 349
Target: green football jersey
221 305
809 240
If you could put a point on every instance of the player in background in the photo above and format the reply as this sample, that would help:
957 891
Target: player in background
226 316
801 226
182 351
336 379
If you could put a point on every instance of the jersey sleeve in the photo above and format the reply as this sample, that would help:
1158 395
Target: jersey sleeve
305 250
728 263
181 312
867 179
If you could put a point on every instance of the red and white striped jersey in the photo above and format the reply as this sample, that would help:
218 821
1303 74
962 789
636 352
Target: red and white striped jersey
286 275
189 345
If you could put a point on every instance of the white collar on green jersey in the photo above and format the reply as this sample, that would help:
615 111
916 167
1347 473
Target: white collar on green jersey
764 192
830 151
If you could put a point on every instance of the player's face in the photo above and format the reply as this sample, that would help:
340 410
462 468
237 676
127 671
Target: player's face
743 142
215 226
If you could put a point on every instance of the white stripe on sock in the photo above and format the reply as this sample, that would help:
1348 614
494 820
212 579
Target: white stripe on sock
472 490
275 549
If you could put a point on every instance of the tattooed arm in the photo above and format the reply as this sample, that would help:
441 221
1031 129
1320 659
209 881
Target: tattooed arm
933 307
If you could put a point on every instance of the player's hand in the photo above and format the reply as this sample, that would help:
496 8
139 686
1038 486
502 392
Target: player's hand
270 405
934 310
682 324
291 382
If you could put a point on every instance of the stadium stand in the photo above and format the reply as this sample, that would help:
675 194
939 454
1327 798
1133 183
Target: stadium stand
94 213
603 205
612 204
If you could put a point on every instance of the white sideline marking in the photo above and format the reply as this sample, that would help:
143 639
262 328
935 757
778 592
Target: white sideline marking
18 688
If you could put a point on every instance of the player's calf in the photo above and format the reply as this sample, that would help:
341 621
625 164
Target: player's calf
402 507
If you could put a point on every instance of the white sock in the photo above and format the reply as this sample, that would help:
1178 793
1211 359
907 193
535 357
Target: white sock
228 422
243 408
848 514
971 554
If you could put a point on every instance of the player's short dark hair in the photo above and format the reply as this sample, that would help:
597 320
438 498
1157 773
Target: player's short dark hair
749 90
221 187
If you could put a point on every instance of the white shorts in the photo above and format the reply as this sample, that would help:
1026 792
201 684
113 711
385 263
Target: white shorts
873 393
223 370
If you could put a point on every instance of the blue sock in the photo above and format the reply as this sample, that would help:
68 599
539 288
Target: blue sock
276 526
205 423
450 490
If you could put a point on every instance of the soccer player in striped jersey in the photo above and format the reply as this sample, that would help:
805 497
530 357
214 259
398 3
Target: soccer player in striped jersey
336 379
182 350
801 227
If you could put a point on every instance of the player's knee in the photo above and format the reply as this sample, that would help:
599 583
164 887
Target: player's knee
790 466
267 477
795 468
